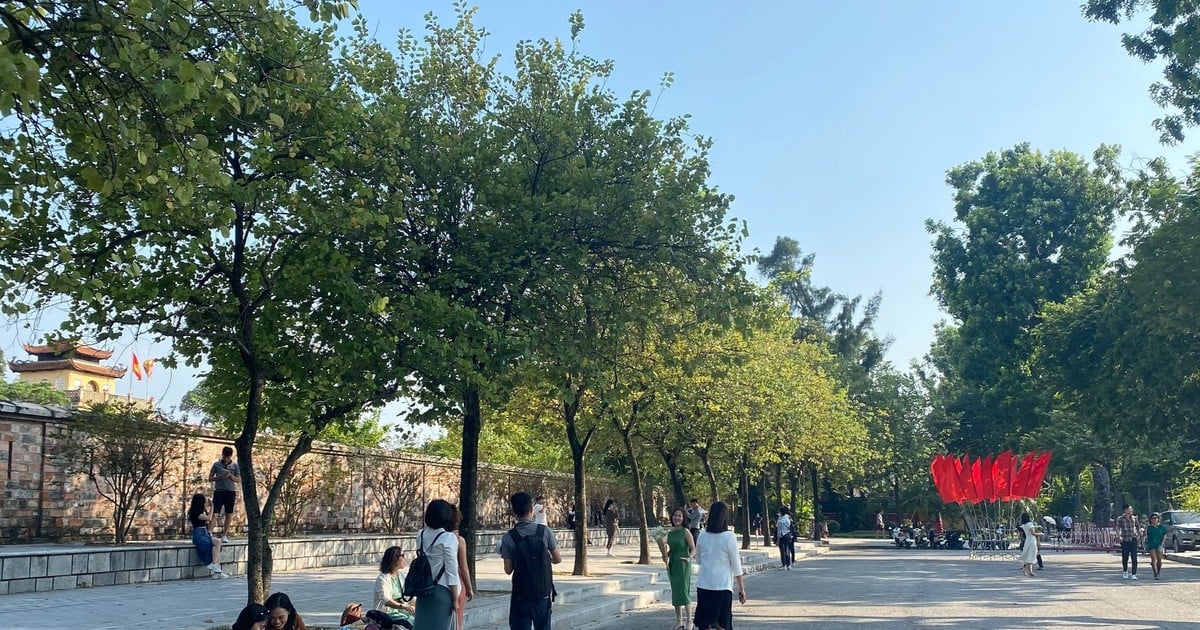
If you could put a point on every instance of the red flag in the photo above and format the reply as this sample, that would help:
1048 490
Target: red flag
966 481
985 476
1040 466
1021 485
977 479
939 479
137 367
148 367
1001 469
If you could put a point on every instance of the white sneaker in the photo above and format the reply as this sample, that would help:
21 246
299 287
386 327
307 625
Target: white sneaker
217 575
1133 577
214 567
1124 575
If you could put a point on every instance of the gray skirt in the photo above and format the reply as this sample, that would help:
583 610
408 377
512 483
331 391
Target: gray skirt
435 611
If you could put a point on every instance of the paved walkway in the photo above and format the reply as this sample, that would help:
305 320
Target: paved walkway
869 586
321 594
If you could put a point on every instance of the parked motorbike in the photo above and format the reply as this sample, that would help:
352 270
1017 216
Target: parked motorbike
901 538
920 537
954 540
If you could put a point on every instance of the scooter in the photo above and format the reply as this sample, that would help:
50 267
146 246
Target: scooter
901 539
920 537
954 540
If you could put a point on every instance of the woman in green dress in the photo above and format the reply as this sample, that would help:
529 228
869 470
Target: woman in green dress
681 548
1155 534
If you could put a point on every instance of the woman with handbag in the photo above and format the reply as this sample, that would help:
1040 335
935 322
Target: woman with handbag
720 568
435 609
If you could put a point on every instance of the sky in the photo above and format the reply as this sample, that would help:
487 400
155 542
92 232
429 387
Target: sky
834 123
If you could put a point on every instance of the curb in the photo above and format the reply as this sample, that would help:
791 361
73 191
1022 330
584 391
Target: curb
627 593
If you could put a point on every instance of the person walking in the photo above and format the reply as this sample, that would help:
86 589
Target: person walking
466 591
681 548
1067 523
786 533
720 568
528 550
695 518
1029 548
612 521
539 510
435 611
757 524
1127 532
879 523
1155 533
227 478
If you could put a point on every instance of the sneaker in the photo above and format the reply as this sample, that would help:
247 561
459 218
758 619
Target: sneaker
1133 577
1124 575
214 567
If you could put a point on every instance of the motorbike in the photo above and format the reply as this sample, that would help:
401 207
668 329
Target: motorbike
954 540
920 537
901 538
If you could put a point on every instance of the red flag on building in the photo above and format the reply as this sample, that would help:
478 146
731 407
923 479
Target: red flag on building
137 367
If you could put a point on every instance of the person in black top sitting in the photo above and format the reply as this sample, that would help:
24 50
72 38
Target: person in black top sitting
207 547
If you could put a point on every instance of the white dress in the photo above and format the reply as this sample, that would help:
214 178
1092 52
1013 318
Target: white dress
1030 551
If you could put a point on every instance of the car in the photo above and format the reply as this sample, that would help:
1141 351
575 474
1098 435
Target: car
1183 530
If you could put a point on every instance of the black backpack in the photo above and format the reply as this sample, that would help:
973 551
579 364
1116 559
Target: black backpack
532 577
420 580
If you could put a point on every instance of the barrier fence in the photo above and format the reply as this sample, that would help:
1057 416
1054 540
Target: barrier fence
1083 536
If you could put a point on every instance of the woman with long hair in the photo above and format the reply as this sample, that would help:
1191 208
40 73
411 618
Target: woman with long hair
611 522
389 589
678 556
465 592
252 617
720 568
207 547
1155 534
283 613
436 610
1029 550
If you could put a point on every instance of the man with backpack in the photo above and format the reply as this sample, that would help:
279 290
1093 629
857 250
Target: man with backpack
528 550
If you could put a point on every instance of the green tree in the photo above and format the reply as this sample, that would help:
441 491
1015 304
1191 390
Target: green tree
1030 227
40 393
1171 36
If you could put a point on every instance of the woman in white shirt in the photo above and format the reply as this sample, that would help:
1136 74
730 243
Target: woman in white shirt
720 567
388 588
435 611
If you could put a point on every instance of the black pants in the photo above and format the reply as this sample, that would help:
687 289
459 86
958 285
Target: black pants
522 614
787 550
714 608
1129 551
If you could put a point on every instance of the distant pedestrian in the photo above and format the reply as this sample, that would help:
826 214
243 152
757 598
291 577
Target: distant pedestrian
612 520
1029 548
787 535
207 548
435 610
695 518
879 523
528 550
227 478
1127 532
681 548
539 510
1067 524
720 568
466 591
571 518
757 524
1155 533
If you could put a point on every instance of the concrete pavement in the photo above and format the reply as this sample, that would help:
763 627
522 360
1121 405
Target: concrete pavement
864 584
320 594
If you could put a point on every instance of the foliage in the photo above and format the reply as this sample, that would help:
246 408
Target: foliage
394 484
1032 227
1187 487
1171 36
312 484
125 451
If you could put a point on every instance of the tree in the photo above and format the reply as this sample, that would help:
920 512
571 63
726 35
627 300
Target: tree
1172 37
188 170
27 391
1032 227
125 452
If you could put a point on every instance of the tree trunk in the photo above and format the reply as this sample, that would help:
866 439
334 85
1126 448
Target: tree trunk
816 503
794 486
1102 512
638 492
469 474
744 487
578 463
766 508
709 474
258 555
1077 486
671 460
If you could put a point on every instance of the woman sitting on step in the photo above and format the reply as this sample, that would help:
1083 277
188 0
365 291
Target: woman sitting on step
207 547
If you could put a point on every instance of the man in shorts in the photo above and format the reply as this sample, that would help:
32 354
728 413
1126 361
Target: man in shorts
227 477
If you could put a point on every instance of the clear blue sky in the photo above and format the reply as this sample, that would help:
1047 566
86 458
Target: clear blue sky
835 122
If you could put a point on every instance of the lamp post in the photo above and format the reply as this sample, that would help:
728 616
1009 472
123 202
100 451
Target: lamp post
1148 485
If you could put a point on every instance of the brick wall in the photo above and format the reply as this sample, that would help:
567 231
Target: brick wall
332 492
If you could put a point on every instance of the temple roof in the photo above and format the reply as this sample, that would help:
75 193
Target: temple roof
63 350
65 364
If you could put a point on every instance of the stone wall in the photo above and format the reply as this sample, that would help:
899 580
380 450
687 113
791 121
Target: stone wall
336 489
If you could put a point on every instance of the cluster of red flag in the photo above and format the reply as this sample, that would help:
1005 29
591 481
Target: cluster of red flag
1002 477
